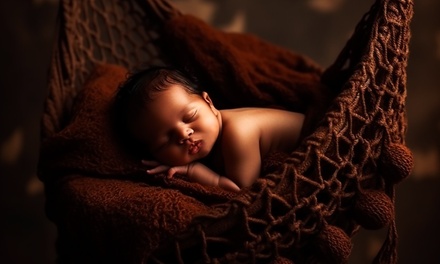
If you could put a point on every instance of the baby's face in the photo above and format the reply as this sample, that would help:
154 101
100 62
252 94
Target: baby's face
178 127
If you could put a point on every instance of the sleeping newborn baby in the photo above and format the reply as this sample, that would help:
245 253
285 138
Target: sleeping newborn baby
181 131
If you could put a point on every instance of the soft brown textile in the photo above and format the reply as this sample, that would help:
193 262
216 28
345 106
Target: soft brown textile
87 144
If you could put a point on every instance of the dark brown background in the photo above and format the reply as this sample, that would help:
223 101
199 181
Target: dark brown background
317 28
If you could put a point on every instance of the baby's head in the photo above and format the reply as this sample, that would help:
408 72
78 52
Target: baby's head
165 113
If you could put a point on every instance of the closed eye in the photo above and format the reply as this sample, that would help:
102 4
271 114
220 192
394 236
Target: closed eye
191 116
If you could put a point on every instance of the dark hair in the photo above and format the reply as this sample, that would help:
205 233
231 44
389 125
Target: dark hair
140 88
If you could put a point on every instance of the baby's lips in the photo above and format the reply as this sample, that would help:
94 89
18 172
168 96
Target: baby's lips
194 148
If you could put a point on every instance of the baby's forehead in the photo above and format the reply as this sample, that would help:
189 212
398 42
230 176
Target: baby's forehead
167 104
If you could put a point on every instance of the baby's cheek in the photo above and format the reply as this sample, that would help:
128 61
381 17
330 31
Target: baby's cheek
210 122
214 127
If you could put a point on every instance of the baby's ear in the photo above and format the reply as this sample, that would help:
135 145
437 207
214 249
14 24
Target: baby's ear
207 98
209 101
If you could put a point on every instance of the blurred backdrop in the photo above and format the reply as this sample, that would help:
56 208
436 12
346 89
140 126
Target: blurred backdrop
316 28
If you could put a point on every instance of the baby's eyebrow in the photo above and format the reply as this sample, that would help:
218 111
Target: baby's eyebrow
187 108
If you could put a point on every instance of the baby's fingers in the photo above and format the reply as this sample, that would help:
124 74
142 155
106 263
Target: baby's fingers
178 169
158 169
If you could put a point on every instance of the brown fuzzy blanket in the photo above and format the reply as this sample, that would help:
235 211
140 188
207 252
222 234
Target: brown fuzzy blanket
105 206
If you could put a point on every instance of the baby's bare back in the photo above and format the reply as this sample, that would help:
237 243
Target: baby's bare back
248 134
276 130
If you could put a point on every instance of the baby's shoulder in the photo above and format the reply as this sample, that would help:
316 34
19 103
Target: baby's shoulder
239 121
238 139
243 116
256 118
238 128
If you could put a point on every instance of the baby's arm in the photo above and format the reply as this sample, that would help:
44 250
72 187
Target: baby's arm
241 152
196 172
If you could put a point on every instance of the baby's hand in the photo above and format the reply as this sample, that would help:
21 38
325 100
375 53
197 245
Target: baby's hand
159 168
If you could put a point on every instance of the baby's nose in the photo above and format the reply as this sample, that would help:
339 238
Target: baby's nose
185 134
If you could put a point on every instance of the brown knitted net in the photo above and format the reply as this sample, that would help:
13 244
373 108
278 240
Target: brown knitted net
341 177
91 32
